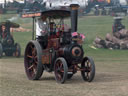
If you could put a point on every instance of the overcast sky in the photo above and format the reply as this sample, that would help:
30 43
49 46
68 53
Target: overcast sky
2 1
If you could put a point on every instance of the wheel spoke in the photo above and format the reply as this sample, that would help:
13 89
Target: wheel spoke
32 74
34 70
88 66
87 63
31 46
58 66
29 56
35 58
62 70
59 76
88 71
61 65
34 52
87 75
31 67
36 62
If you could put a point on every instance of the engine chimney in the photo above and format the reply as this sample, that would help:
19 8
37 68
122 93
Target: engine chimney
74 17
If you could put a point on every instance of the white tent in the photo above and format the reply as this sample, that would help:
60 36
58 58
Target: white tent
3 1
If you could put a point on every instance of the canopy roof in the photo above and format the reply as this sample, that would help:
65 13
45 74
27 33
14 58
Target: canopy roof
49 14
56 14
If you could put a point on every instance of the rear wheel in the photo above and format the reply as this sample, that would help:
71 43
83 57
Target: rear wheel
1 50
33 60
18 50
60 70
88 69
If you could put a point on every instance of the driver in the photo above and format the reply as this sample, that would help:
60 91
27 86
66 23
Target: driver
3 33
41 27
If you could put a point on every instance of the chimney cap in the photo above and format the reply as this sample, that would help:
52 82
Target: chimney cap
74 6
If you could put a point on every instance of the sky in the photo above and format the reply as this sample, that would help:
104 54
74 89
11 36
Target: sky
2 1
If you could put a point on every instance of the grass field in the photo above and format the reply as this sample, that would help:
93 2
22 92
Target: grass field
111 66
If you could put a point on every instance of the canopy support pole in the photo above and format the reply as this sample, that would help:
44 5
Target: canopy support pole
33 29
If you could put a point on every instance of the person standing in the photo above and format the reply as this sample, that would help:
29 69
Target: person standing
42 31
41 27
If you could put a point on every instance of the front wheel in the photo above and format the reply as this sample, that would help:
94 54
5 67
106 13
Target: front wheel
1 50
60 70
88 69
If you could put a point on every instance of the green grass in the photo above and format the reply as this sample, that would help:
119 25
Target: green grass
91 26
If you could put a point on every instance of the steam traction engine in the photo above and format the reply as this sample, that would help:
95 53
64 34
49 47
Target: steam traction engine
58 51
7 43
